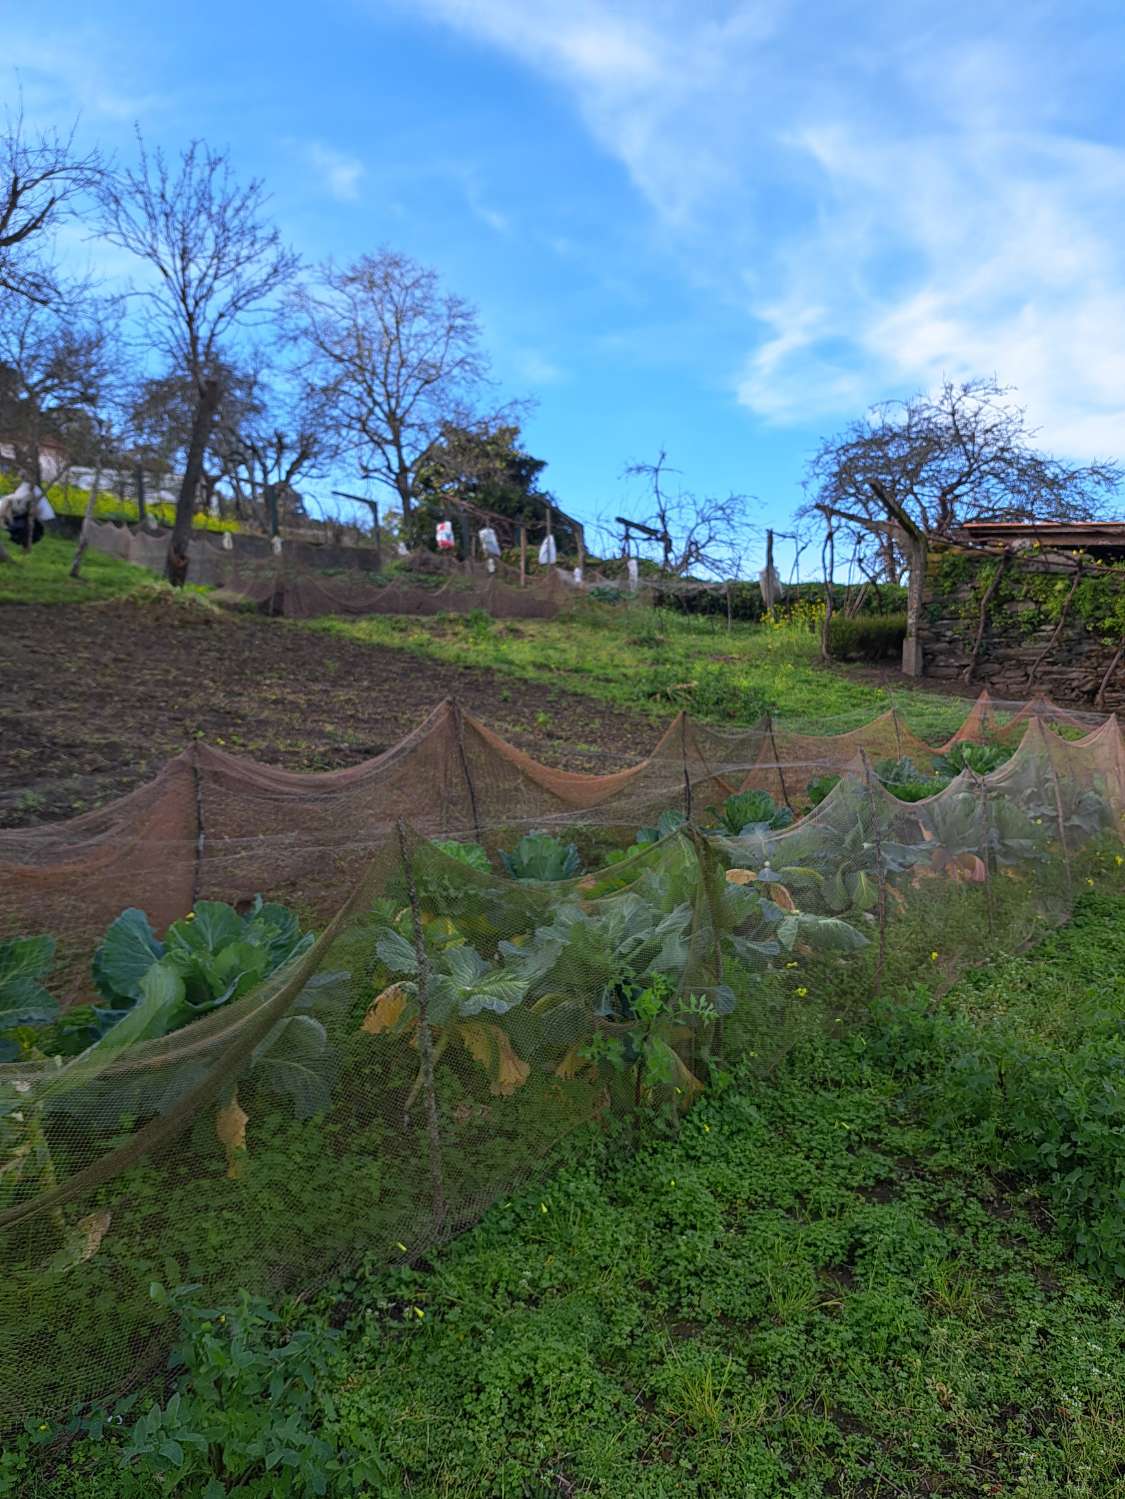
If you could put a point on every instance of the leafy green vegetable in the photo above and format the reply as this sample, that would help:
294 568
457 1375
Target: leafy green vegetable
818 789
667 823
24 964
540 856
906 781
127 952
755 810
601 954
981 759
467 853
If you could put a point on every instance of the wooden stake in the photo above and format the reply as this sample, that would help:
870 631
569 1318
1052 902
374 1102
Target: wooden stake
425 1034
523 556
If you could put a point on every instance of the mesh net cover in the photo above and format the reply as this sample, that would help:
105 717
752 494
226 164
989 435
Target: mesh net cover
450 1024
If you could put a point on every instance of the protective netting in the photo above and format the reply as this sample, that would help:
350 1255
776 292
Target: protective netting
450 1023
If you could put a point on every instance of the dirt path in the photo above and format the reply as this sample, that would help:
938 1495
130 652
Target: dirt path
97 696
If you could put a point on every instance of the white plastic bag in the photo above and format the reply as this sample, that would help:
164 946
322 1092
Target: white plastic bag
489 545
445 536
548 552
634 573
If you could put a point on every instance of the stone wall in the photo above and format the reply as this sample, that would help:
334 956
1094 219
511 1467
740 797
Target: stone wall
1022 617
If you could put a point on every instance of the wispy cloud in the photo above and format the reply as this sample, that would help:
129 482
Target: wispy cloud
93 74
538 369
883 200
339 173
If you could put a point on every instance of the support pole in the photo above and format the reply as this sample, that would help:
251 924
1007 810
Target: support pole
829 559
777 763
425 1034
523 556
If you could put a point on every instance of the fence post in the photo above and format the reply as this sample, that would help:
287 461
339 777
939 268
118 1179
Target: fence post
425 1035
684 764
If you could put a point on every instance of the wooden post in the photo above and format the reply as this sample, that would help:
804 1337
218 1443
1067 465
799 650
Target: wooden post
770 601
378 541
465 549
142 510
523 556
829 559
582 553
913 663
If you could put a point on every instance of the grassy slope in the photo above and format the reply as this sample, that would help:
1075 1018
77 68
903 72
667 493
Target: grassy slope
816 1290
42 575
652 661
821 1288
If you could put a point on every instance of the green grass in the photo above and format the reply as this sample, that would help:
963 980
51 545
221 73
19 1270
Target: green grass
829 1283
42 576
654 662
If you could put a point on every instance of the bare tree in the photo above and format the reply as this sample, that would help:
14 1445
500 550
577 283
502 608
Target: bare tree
58 364
398 359
218 266
965 454
276 434
695 534
40 178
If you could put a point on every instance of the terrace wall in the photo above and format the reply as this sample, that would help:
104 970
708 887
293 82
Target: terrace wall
1044 630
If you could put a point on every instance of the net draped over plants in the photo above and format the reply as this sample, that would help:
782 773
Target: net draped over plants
343 1012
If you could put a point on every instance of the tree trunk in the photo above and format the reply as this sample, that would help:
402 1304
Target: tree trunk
84 535
205 408
142 510
402 484
913 663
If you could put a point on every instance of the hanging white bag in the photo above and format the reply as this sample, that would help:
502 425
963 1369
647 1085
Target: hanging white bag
489 544
548 552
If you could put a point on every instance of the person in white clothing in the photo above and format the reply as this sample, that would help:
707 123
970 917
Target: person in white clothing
24 511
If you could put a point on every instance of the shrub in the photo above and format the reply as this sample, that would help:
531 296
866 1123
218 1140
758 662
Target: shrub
866 637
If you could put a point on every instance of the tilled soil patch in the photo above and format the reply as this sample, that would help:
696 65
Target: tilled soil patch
97 696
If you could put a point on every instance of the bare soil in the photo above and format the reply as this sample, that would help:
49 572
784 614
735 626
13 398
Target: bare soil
97 696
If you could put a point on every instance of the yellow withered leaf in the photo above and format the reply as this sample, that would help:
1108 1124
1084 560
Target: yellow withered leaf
93 1229
741 876
573 1063
488 1045
781 897
386 1012
81 1242
230 1131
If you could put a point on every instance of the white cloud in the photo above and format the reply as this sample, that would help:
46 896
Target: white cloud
538 369
83 72
339 173
886 195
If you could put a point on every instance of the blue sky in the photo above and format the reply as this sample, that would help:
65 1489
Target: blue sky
718 228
